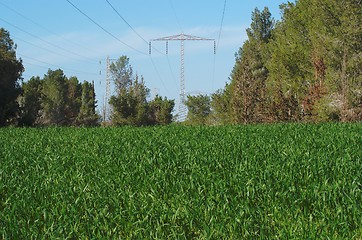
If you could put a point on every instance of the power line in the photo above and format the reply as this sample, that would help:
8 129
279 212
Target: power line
172 73
45 41
45 49
57 66
105 30
217 45
174 12
221 25
158 74
140 36
182 38
124 20
132 28
46 29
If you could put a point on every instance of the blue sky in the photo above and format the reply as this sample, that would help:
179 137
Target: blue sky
53 34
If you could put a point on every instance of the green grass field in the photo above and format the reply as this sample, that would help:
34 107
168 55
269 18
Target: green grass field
282 181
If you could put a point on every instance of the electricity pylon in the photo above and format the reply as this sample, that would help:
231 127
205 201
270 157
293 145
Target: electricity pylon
182 38
108 90
107 97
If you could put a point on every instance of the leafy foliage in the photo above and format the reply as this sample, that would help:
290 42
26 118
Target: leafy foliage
220 106
87 115
250 73
30 102
161 110
122 73
130 105
54 98
306 67
57 100
10 73
74 99
199 109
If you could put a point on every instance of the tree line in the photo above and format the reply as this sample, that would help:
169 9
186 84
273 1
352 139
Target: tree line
56 100
130 105
305 67
48 101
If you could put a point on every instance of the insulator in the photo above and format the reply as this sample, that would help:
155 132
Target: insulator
149 48
214 47
166 47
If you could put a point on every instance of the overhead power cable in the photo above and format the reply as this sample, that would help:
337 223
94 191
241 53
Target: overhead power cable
44 67
105 30
221 25
217 45
177 19
57 66
172 74
45 49
140 36
158 74
132 28
45 41
124 20
49 31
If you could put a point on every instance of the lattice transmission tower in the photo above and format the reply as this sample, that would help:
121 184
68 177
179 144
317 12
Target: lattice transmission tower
107 97
182 38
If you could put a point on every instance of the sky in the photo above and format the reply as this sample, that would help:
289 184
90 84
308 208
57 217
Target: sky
53 34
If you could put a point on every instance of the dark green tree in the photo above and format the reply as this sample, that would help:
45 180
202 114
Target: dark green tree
87 115
315 61
243 87
340 22
57 100
261 26
248 94
73 100
11 70
130 106
290 64
140 93
30 102
161 110
54 94
221 107
199 109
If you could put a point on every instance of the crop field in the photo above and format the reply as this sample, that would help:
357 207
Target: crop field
282 181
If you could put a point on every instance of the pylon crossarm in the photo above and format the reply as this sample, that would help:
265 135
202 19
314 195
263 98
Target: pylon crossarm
183 37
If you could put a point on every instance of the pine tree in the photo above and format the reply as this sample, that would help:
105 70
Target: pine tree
30 102
87 115
250 72
315 62
290 64
54 98
130 106
11 70
221 107
73 100
161 110
199 109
